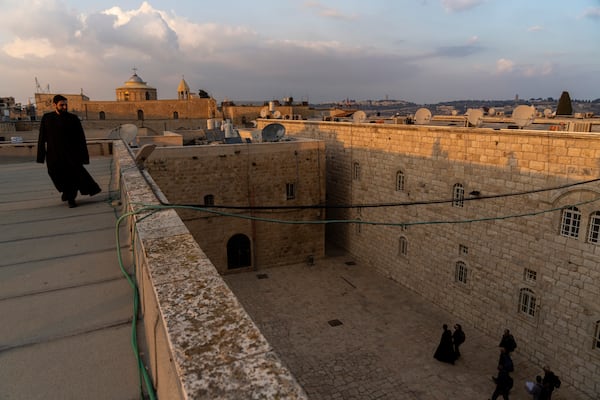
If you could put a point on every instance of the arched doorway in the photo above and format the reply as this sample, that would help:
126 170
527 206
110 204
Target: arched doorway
140 115
239 254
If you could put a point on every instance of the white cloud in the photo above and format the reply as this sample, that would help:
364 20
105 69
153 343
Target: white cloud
460 5
22 48
329 12
535 28
504 66
592 12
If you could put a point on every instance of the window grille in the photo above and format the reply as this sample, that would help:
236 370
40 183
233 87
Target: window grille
399 181
527 302
403 246
458 195
571 219
460 272
290 191
594 229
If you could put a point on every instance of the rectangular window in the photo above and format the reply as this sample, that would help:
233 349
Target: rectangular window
594 233
460 273
529 275
356 171
571 219
527 302
463 250
290 191
597 336
403 246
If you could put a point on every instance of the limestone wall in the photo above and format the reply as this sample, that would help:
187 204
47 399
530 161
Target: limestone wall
510 245
201 343
248 175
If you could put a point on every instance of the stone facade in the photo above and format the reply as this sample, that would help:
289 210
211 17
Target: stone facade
248 175
507 255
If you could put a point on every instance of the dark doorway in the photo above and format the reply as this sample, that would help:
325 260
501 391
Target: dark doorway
239 254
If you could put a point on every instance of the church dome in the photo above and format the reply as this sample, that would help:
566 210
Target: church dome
136 82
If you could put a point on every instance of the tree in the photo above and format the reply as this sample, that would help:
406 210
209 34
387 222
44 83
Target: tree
564 104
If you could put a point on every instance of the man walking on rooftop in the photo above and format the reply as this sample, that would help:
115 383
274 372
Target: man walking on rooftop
61 143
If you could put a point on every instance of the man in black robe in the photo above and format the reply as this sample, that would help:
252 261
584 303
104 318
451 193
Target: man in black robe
445 350
62 145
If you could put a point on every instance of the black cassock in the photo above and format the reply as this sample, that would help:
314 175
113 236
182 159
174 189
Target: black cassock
445 350
62 145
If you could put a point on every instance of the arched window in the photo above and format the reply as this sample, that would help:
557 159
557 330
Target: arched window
175 115
140 115
460 272
239 254
571 219
594 228
102 115
126 96
527 302
458 195
400 181
147 96
209 200
403 246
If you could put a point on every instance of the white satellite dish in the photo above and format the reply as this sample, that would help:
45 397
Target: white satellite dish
277 114
422 116
454 113
264 112
492 112
475 117
125 132
359 116
548 113
523 115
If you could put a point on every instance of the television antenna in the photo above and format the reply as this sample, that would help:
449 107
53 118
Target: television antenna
359 116
523 116
475 117
422 116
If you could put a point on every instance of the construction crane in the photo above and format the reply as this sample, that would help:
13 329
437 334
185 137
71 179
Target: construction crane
38 87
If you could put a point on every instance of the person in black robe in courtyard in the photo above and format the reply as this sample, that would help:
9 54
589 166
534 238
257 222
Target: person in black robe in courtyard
61 143
445 350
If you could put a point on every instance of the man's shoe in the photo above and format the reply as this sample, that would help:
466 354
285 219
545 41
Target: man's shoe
72 203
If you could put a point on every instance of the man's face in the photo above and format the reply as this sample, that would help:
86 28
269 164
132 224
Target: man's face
61 106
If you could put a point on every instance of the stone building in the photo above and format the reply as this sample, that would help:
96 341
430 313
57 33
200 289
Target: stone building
499 227
264 187
135 101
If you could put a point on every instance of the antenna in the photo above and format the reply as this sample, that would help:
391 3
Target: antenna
359 116
523 115
273 132
422 116
475 117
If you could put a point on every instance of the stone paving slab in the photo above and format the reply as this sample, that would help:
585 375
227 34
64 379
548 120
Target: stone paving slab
383 348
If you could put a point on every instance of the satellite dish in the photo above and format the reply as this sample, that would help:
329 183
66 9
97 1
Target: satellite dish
422 116
264 112
277 114
273 132
475 117
125 132
492 112
454 113
523 115
359 116
548 113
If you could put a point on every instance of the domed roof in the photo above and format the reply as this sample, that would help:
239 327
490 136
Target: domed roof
135 82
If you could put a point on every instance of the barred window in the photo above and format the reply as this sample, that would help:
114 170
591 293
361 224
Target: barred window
527 302
571 219
460 272
403 246
594 229
399 181
597 336
209 200
529 275
290 191
458 195
356 171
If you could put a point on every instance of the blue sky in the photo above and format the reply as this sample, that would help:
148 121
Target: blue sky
424 51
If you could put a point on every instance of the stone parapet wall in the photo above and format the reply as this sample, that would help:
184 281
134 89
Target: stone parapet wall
201 342
501 239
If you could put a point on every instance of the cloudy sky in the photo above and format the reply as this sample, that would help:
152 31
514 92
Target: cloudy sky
425 51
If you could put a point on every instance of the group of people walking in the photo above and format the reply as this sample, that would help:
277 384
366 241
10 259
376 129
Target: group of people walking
448 351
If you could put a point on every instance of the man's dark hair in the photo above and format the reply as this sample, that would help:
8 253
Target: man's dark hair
57 98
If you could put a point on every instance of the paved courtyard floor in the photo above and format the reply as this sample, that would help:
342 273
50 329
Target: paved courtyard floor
347 332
